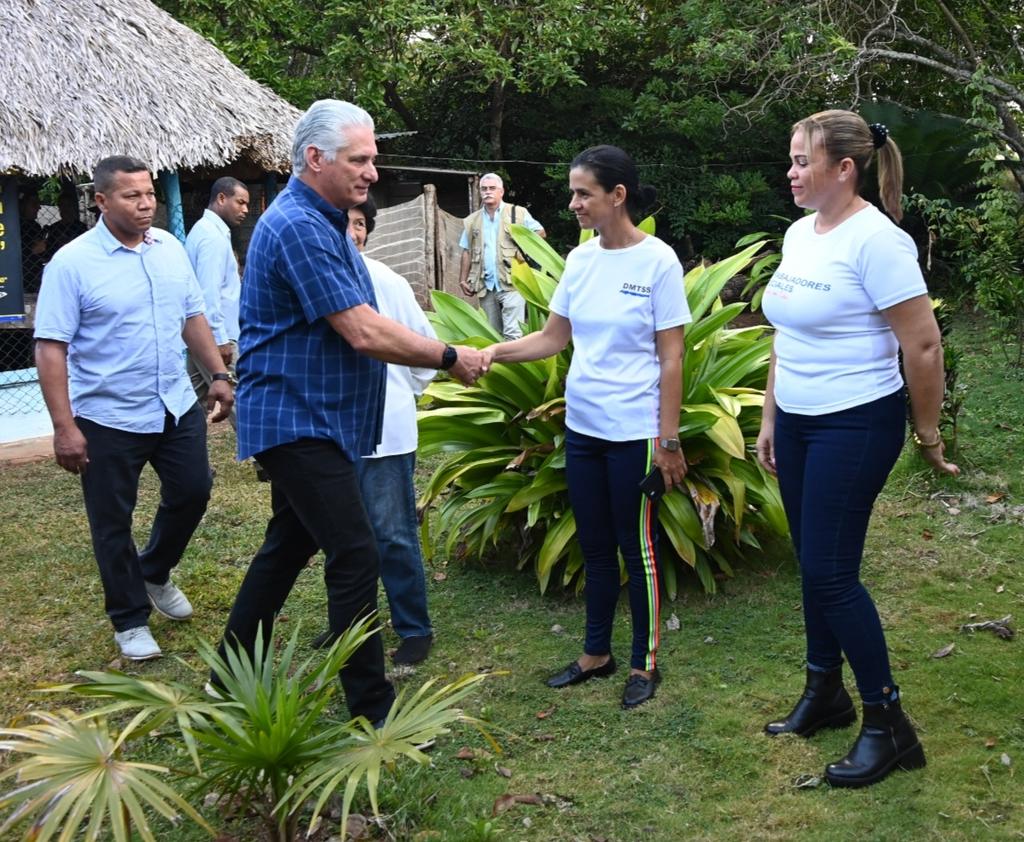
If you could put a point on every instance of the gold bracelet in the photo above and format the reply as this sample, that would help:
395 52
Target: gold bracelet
918 441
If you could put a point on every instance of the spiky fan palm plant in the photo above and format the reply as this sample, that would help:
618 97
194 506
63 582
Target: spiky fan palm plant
270 741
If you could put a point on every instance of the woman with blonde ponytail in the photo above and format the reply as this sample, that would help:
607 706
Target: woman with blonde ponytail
847 296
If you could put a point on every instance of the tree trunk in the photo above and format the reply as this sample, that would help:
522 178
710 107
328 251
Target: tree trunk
497 119
397 104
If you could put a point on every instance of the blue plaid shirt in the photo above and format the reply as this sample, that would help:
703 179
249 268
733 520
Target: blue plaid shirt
297 377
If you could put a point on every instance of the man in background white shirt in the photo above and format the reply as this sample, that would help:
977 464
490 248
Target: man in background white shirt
386 477
209 249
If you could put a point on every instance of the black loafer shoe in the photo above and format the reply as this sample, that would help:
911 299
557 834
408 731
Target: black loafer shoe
575 674
412 650
640 689
324 640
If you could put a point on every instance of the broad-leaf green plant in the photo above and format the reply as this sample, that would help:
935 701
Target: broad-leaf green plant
502 477
268 740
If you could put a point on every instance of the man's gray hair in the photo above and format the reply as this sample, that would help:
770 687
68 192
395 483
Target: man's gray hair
494 177
324 126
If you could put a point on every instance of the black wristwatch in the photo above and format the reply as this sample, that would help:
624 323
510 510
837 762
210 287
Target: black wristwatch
448 358
221 375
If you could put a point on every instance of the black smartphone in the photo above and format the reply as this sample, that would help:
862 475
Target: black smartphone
653 485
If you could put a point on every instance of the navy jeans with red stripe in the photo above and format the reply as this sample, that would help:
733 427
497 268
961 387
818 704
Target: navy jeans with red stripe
612 514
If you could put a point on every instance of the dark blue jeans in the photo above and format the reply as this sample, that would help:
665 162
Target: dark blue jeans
831 468
389 495
110 487
612 514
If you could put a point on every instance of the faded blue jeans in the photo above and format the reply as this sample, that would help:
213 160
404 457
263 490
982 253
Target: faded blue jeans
831 468
386 483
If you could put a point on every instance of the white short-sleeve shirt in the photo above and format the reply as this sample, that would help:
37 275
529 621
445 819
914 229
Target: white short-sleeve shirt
396 300
616 300
834 348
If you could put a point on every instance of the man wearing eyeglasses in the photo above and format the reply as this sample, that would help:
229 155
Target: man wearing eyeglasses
488 252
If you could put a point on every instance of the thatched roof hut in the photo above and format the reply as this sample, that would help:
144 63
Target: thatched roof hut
83 79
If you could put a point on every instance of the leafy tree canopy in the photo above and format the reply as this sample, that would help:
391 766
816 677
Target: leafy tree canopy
701 92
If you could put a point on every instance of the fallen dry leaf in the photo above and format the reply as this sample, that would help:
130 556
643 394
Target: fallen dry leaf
440 577
990 742
1001 588
806 782
1004 758
927 535
504 771
507 802
672 623
544 714
995 498
544 738
944 651
465 753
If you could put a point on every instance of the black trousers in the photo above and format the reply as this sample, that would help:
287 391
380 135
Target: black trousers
316 505
110 487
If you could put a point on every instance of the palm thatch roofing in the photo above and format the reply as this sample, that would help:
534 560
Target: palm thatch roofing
84 79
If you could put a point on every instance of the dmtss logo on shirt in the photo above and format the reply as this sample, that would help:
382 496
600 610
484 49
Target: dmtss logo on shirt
639 290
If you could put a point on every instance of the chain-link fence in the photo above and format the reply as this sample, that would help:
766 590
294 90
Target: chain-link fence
50 214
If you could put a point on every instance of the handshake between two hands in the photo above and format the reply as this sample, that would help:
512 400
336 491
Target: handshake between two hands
471 365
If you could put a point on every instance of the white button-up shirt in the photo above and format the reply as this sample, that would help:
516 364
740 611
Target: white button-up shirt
209 248
395 299
121 312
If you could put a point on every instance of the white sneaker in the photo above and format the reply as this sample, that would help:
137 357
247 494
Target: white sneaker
137 644
169 600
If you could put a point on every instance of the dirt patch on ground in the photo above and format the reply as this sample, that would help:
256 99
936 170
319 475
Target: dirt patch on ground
40 449
26 450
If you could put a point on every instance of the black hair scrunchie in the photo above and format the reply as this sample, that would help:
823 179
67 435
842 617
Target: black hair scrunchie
880 133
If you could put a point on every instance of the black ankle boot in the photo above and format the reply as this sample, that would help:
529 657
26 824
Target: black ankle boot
886 741
824 704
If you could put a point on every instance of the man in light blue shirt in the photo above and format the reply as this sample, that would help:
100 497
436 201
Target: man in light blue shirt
115 306
488 252
209 248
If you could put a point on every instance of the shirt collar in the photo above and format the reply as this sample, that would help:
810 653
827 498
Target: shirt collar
111 243
218 223
308 195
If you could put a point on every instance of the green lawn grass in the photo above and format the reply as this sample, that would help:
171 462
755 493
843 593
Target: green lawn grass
692 764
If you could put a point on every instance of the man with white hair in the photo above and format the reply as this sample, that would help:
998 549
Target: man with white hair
311 373
488 251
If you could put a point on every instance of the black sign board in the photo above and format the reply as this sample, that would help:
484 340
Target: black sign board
12 298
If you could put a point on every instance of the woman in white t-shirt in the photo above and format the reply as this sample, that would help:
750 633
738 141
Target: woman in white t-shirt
846 297
622 302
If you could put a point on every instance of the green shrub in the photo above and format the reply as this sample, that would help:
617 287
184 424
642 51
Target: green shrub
503 479
268 742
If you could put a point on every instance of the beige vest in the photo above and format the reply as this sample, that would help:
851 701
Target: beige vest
507 251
